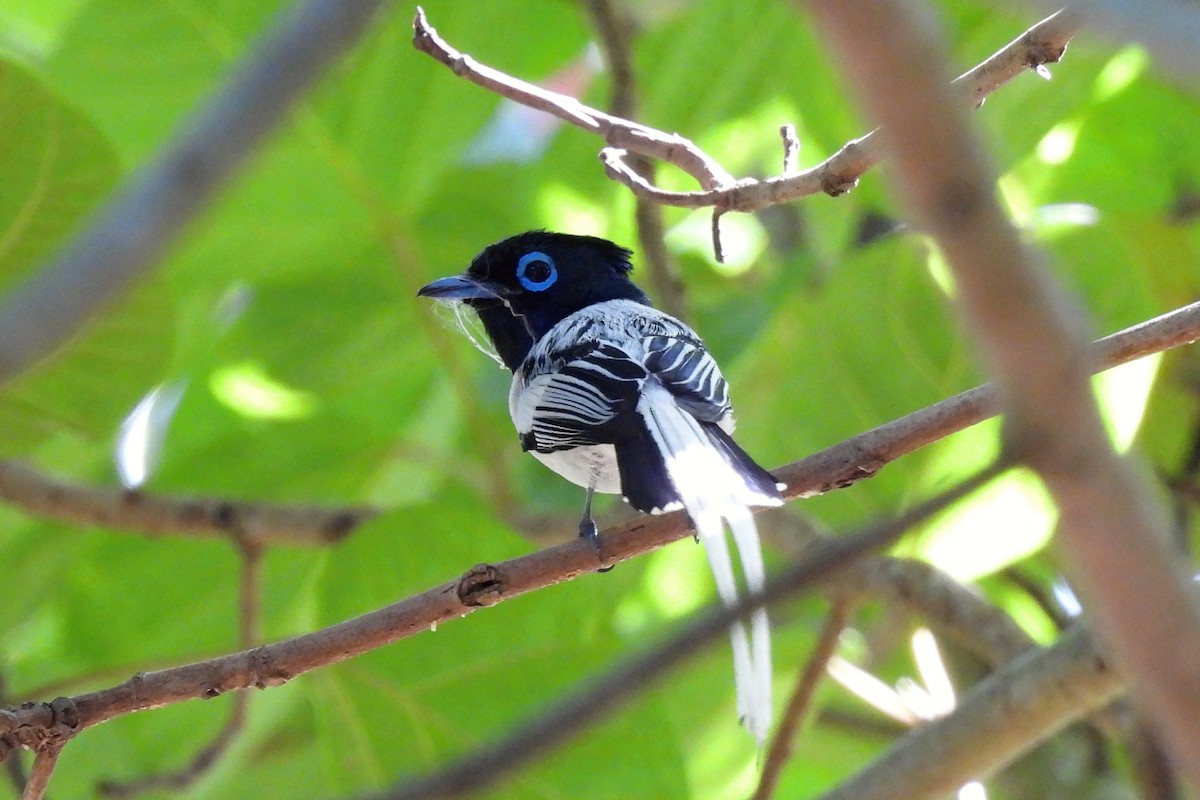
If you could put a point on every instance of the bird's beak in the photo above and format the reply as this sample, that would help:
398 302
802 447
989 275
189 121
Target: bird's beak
460 287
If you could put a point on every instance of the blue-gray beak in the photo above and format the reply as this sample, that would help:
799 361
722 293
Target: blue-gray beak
459 287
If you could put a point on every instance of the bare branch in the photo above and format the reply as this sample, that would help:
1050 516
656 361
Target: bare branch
255 523
605 694
1000 718
133 231
800 702
950 608
1167 29
43 768
616 131
1033 339
488 584
274 664
1042 44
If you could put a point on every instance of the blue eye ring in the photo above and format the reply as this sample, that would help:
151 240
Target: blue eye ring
536 257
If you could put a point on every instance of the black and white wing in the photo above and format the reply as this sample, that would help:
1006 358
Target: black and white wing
686 369
580 396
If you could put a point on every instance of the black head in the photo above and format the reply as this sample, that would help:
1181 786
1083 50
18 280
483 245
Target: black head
539 278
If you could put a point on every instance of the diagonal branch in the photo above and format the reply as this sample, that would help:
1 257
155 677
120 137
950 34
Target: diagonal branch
800 702
131 233
999 719
1042 44
43 768
277 663
605 694
1112 532
489 584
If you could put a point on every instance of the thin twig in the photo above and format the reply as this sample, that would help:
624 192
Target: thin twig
43 768
615 130
950 608
35 492
1042 596
1042 44
1033 338
1169 30
198 767
605 694
800 702
133 231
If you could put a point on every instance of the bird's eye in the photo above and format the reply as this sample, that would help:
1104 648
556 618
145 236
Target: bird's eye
536 271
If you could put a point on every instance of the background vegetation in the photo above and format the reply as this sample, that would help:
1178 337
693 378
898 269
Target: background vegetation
306 370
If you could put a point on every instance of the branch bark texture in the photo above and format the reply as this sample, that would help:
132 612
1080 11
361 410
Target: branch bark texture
1113 535
1042 44
1003 716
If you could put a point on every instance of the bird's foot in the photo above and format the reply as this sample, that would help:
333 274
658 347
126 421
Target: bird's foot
588 530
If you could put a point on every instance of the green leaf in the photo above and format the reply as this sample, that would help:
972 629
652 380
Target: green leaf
56 167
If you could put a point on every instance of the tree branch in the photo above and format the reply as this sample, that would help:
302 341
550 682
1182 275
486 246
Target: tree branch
488 584
1042 44
275 664
605 694
1000 718
801 700
1033 338
259 524
133 231
43 768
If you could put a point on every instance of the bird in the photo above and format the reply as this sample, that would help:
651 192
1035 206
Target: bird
619 397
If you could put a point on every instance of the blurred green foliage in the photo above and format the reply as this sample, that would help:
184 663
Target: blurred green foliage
312 373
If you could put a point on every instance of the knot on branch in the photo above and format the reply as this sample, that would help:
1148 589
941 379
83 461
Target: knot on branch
36 726
263 669
482 585
1041 53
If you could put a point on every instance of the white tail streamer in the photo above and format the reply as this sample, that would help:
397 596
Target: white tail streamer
714 493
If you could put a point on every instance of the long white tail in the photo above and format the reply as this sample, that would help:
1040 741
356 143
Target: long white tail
715 493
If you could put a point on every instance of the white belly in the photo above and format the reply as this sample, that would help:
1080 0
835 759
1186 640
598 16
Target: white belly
594 466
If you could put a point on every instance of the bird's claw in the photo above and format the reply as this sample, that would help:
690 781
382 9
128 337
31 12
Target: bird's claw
588 530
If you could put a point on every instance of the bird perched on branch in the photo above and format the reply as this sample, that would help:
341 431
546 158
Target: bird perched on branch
619 397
